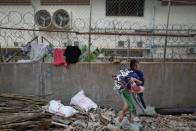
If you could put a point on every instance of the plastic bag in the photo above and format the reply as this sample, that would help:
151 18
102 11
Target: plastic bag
131 126
150 111
125 124
83 102
57 108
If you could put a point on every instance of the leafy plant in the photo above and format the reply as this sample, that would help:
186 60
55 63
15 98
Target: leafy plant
93 56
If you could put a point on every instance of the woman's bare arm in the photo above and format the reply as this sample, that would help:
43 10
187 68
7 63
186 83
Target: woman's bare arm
136 80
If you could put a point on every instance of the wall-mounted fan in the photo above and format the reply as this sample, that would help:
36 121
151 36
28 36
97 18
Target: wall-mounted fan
42 18
61 18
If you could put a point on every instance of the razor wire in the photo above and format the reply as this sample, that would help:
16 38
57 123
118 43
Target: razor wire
25 20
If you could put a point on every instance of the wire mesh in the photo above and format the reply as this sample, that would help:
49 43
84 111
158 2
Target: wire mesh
123 29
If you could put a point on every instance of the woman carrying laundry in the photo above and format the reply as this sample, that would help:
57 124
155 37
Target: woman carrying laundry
134 86
134 66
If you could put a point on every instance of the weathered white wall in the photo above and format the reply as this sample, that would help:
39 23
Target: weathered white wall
179 14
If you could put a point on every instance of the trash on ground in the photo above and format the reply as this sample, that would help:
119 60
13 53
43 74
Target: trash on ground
57 108
27 113
131 126
83 101
150 111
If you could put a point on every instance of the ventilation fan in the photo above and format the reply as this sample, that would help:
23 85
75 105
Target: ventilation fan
16 44
76 43
140 44
192 50
60 18
42 18
121 43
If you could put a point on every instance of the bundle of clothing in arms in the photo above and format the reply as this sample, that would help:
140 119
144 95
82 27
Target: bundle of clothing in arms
129 90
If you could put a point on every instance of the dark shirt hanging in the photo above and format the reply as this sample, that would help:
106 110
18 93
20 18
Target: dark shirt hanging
72 54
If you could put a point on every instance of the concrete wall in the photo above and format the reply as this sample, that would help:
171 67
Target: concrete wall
166 85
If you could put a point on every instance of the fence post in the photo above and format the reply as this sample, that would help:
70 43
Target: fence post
168 16
89 39
128 51
35 5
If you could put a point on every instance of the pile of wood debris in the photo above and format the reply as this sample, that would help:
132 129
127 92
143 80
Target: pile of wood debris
21 113
28 113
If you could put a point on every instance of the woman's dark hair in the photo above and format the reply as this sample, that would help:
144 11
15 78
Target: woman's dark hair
133 62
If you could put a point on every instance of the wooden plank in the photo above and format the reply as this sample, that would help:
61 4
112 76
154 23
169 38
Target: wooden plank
20 124
21 117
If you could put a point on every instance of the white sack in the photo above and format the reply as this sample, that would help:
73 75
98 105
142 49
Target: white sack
57 108
83 102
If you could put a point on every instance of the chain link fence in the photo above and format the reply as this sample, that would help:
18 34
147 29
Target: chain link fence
148 30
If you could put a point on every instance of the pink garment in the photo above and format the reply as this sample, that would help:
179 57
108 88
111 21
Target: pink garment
135 88
59 58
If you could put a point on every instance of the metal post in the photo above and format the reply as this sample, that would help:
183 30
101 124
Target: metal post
1 55
71 19
128 52
153 38
89 39
168 16
36 6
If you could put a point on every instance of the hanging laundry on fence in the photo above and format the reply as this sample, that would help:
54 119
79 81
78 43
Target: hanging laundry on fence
38 51
59 58
72 54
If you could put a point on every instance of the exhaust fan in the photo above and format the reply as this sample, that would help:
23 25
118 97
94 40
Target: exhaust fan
121 43
42 18
192 50
61 18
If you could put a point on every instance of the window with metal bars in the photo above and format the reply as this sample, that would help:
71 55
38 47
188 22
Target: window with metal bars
125 8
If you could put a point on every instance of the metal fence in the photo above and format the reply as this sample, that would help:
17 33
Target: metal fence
106 29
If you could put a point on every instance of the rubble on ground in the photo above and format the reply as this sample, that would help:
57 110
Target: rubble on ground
28 113
182 122
22 113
